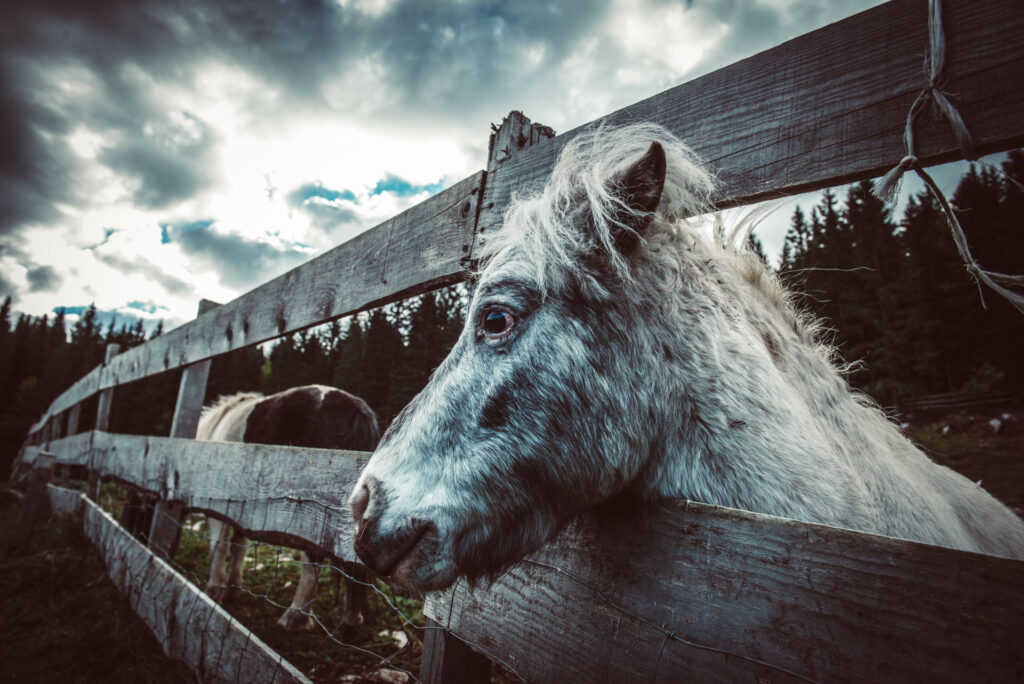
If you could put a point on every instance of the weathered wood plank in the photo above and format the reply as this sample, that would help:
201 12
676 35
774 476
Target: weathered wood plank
827 107
706 594
765 597
106 398
188 624
73 450
447 659
286 495
65 502
73 415
165 527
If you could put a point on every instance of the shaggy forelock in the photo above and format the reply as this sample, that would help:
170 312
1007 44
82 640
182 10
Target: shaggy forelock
542 236
545 228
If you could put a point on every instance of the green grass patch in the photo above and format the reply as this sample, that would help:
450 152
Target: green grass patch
329 650
978 454
62 618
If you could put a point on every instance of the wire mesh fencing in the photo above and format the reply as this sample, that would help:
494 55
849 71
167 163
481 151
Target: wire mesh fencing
385 647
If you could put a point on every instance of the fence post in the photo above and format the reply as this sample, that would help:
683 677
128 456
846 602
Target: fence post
34 504
73 415
166 526
62 471
446 658
516 133
106 397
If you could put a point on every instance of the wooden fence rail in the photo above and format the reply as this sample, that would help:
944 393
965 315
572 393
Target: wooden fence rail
720 594
278 494
690 591
186 622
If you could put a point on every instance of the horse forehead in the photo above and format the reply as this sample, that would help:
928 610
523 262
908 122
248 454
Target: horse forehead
509 265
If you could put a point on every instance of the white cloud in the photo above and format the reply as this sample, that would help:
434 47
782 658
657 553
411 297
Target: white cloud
186 118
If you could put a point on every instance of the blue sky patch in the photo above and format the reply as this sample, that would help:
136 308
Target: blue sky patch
166 228
403 188
148 307
310 190
107 232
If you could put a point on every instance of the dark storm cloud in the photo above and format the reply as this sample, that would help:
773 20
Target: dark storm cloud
752 26
239 262
68 64
42 279
78 64
172 284
163 174
326 208
438 58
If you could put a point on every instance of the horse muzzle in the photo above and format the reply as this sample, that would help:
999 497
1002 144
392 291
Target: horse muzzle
403 551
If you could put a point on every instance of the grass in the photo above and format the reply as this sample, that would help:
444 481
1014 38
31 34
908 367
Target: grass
329 650
62 618
973 450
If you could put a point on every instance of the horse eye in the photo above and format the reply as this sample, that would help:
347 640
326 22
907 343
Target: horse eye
497 323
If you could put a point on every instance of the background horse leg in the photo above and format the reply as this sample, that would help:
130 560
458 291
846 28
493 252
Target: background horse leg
217 585
355 593
239 549
297 618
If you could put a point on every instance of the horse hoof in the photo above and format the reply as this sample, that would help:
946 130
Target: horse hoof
216 592
295 621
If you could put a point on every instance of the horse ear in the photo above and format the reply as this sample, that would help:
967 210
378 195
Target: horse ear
639 189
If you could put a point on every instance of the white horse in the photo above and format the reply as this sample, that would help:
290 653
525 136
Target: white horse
311 416
612 349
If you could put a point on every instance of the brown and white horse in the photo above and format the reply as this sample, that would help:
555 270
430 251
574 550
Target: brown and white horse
611 348
311 416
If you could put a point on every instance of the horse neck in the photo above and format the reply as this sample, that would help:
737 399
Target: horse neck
764 426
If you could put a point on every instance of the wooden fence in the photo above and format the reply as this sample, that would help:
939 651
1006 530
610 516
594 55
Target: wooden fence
693 591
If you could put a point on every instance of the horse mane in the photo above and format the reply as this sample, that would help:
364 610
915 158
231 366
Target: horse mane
545 228
213 414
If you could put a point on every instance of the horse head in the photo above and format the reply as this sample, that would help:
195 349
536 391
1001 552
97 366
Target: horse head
544 406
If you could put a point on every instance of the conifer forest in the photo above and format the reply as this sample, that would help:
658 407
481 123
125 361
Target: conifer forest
902 312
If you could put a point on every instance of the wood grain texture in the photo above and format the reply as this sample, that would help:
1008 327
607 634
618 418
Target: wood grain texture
284 495
188 625
446 658
827 107
74 450
757 598
617 597
165 530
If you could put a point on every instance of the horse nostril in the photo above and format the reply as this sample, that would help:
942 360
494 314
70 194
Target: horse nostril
397 549
359 501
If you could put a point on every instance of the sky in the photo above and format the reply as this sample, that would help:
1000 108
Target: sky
152 154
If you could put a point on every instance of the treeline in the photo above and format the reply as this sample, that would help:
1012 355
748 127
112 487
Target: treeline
903 309
385 356
904 313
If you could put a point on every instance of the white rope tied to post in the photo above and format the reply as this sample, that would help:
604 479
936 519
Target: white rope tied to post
887 187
